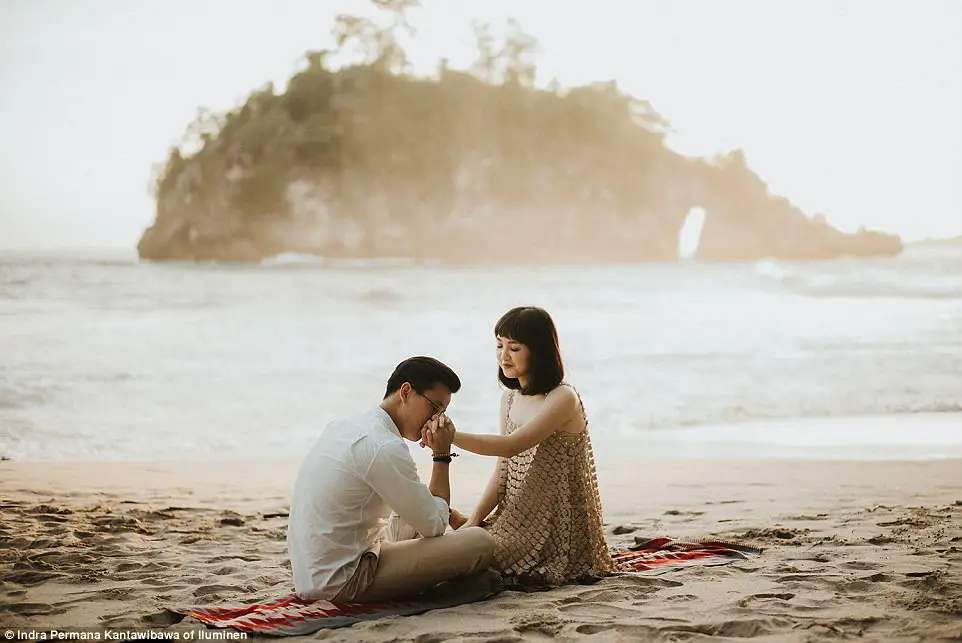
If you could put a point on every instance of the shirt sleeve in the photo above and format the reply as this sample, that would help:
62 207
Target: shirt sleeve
394 476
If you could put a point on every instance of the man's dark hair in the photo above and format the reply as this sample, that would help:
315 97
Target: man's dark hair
533 327
422 373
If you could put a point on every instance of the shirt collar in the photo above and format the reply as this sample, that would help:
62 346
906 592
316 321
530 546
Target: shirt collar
385 420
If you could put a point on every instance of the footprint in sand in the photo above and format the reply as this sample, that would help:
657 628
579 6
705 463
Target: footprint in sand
65 559
599 595
126 620
781 533
681 598
676 512
856 587
48 509
267 580
819 558
878 578
730 629
31 609
119 593
757 600
568 600
29 578
207 590
712 573
246 559
599 611
931 581
646 581
51 518
618 593
785 596
547 624
152 515
810 581
120 524
629 632
164 618
140 572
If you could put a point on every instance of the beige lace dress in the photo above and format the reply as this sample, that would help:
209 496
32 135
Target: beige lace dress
548 526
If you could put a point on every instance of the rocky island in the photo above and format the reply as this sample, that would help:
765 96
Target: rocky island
361 159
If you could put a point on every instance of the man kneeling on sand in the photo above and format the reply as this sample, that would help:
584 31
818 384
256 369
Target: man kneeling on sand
360 470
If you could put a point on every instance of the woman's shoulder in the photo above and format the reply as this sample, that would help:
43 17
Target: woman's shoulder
565 400
565 388
564 394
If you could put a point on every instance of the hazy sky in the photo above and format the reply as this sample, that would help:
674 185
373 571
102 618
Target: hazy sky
852 108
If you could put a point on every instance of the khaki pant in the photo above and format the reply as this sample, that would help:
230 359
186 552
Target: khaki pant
403 564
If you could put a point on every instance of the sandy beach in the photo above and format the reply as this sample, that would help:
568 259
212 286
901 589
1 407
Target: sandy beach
853 549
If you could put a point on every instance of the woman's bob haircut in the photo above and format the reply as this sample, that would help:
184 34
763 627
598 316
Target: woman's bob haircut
533 327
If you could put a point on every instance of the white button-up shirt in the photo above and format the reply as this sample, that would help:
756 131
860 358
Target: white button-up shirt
357 472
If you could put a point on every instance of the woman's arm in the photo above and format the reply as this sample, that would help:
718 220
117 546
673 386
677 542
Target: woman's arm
489 500
559 406
491 497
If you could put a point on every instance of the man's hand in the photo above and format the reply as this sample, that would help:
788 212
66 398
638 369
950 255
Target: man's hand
457 519
438 434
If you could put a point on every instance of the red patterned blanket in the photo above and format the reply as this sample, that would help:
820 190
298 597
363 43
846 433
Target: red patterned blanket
292 616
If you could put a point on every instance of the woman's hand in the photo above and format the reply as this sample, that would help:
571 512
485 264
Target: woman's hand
429 433
474 521
438 433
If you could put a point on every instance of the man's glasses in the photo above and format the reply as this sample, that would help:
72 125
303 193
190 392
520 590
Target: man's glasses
438 407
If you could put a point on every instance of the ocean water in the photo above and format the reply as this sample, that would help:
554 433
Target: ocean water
103 357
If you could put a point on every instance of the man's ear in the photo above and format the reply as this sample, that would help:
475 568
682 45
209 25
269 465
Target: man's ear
404 391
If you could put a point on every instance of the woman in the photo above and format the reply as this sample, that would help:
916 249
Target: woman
547 521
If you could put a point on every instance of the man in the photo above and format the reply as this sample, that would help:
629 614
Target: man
357 473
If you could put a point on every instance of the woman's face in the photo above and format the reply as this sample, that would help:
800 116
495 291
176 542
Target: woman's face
513 357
